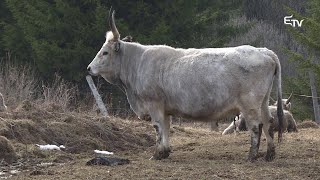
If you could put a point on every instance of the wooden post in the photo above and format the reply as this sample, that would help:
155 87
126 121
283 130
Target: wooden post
314 96
97 96
3 106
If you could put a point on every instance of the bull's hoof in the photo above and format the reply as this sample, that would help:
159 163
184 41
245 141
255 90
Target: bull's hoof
253 154
158 155
271 154
252 158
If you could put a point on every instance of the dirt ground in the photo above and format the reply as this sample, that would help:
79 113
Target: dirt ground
197 153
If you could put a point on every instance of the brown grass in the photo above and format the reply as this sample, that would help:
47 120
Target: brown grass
20 85
17 83
59 93
197 153
8 154
78 132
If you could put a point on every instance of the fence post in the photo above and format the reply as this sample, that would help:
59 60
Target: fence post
97 96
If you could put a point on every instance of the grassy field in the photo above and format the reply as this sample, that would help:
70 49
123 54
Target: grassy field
197 153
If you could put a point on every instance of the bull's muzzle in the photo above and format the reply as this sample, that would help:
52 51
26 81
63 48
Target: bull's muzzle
90 71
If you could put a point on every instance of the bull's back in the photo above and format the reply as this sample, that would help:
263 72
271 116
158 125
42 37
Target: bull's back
203 82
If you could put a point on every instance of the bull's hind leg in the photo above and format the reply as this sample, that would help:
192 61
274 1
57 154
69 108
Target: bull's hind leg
255 127
268 130
161 123
268 126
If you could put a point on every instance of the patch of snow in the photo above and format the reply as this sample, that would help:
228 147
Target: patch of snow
50 147
14 172
103 152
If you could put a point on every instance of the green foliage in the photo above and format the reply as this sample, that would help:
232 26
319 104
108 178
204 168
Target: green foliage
59 36
213 22
302 105
305 63
63 36
309 36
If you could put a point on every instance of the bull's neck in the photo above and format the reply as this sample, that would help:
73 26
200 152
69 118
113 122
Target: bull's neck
132 53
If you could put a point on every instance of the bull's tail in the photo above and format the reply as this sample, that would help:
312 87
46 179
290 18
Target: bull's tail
279 95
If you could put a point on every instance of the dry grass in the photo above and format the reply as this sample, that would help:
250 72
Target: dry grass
17 83
308 124
197 152
20 85
78 132
8 154
59 93
209 157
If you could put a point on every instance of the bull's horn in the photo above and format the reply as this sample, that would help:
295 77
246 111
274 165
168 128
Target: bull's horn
289 98
273 101
109 17
112 25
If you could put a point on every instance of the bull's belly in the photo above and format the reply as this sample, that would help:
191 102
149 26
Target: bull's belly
204 114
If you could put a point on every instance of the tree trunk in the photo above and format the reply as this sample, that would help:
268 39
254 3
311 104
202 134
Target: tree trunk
314 96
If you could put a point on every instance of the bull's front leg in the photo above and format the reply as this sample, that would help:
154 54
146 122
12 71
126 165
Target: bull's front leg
161 124
256 131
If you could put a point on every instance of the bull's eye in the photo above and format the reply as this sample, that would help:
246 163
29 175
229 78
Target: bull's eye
105 53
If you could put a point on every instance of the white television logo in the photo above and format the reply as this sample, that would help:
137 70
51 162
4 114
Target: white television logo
293 22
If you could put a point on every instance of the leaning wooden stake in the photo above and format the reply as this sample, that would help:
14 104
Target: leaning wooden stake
3 106
97 96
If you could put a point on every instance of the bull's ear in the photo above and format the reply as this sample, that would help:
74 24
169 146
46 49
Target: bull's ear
116 46
127 39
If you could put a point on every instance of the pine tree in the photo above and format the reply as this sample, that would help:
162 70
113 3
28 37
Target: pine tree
309 35
62 35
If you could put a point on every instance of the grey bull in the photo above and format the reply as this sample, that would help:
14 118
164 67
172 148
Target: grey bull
200 84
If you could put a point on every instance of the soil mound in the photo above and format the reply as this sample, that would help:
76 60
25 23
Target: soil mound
308 124
78 132
8 153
